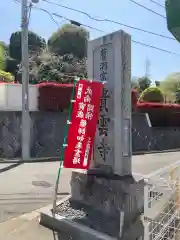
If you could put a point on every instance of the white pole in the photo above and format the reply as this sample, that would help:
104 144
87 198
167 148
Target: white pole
25 130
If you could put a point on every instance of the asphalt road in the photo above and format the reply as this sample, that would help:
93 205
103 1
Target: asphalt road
29 187
147 164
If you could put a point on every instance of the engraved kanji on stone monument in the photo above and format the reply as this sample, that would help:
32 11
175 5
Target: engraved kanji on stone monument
104 100
104 119
109 61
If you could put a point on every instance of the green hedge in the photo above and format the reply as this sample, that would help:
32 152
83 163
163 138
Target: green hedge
152 94
6 76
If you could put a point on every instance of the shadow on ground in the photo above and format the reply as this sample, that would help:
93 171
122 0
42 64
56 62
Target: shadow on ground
9 167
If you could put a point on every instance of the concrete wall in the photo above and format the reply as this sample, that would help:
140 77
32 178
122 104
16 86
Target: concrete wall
47 132
145 138
11 97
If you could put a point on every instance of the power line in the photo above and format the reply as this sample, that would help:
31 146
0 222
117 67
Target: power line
57 15
109 20
157 48
150 10
50 15
158 4
134 41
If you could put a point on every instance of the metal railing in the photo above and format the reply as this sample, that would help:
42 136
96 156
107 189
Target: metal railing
162 204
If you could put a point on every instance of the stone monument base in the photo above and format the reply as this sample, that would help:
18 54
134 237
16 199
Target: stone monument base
101 207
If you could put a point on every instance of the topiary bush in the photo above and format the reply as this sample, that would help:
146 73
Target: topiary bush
54 97
161 114
152 94
6 76
134 98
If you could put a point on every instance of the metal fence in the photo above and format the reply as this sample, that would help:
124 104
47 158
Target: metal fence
162 204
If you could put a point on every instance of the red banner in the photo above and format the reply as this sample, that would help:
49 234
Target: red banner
82 128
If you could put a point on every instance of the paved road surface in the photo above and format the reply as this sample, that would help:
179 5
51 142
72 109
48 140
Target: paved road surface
30 186
26 230
146 164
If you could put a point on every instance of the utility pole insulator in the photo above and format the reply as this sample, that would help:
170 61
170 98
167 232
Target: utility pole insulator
34 1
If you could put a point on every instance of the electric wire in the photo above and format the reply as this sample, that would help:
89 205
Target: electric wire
134 41
109 20
148 9
156 3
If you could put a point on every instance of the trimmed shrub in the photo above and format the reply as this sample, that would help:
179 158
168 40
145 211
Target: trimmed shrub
152 94
6 76
134 98
161 114
54 97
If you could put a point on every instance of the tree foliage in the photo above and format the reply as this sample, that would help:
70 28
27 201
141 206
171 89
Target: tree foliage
36 43
158 83
69 39
2 57
134 83
177 96
49 67
170 86
152 94
143 82
6 76
5 47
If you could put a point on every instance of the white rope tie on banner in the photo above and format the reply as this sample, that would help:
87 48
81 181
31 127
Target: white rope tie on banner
65 145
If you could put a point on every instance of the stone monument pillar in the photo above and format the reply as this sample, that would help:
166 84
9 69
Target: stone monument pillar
108 187
105 201
109 61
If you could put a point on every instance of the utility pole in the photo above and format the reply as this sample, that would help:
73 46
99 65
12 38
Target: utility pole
25 129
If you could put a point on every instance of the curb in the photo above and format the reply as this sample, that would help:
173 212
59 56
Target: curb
152 152
35 213
9 167
57 159
60 224
77 231
32 160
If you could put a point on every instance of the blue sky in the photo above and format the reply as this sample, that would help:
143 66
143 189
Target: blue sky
161 64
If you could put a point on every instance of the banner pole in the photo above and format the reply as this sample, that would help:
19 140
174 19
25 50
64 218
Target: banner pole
63 147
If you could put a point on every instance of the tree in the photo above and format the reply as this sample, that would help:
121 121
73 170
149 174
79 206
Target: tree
134 83
158 83
170 86
143 82
36 43
178 96
5 47
2 57
49 67
152 94
69 39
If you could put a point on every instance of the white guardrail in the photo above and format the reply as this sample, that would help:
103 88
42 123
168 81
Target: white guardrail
162 204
